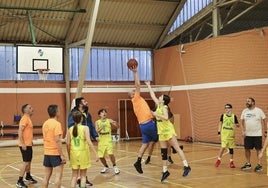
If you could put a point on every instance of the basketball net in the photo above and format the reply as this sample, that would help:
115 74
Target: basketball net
43 73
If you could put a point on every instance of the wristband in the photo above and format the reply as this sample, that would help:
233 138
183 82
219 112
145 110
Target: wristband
219 132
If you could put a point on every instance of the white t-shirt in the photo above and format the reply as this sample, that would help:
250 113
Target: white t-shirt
253 121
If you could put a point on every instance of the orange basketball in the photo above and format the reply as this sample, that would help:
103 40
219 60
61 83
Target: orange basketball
132 63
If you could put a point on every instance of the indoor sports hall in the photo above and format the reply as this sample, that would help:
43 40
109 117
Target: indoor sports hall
204 54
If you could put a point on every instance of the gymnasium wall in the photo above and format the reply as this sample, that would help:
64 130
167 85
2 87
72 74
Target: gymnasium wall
210 73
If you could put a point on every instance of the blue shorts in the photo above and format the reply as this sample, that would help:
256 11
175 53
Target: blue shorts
149 132
52 160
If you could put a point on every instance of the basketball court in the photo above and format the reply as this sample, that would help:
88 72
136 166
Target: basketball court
201 158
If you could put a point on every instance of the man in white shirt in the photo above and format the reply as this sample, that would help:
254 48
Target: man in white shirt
253 119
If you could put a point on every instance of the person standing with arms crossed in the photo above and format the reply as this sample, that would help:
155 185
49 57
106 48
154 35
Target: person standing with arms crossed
25 144
253 119
78 143
166 132
226 130
145 119
104 129
54 158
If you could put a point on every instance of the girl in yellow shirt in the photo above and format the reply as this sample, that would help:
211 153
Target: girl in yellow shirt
166 132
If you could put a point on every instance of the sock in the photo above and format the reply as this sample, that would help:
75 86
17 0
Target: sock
139 160
231 160
165 168
185 163
219 158
20 178
149 157
106 166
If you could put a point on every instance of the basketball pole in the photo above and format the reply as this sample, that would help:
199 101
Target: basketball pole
86 55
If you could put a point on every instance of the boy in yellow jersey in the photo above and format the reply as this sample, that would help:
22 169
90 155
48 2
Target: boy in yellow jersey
104 128
226 129
145 119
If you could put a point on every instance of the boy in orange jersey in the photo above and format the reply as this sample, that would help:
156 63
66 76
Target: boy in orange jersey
53 155
25 144
145 119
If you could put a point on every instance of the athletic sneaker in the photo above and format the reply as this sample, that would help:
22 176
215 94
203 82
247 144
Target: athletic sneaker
232 164
258 168
165 175
247 166
137 165
88 183
147 160
116 170
104 170
21 184
218 162
187 170
31 180
170 160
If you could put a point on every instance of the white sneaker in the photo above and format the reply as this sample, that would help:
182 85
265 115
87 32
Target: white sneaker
116 170
104 170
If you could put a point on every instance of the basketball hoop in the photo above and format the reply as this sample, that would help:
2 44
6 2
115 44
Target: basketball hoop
43 73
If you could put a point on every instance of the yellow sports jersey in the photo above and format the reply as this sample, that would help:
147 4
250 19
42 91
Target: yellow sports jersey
164 127
79 150
105 135
228 127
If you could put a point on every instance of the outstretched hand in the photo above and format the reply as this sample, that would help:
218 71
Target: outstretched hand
133 68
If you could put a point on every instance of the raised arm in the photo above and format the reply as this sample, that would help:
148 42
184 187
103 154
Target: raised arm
152 94
136 79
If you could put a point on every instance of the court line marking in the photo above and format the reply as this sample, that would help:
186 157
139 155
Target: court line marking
37 177
1 177
146 177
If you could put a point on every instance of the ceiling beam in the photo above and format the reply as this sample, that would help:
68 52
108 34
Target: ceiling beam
74 25
170 22
185 26
86 55
42 9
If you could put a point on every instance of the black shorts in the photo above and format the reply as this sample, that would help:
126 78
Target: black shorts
251 142
52 160
27 154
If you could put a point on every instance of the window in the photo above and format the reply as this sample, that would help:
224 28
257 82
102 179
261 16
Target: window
191 7
110 64
105 64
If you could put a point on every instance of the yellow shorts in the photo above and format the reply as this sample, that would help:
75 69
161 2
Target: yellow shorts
165 137
228 143
105 148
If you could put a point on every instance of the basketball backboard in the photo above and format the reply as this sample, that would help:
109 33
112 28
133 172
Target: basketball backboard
32 58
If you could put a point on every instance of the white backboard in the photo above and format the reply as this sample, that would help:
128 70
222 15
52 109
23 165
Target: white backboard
31 58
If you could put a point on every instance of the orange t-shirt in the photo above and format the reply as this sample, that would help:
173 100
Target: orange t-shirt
27 132
51 128
141 109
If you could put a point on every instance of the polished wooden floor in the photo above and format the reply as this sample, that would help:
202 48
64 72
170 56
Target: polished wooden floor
200 156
